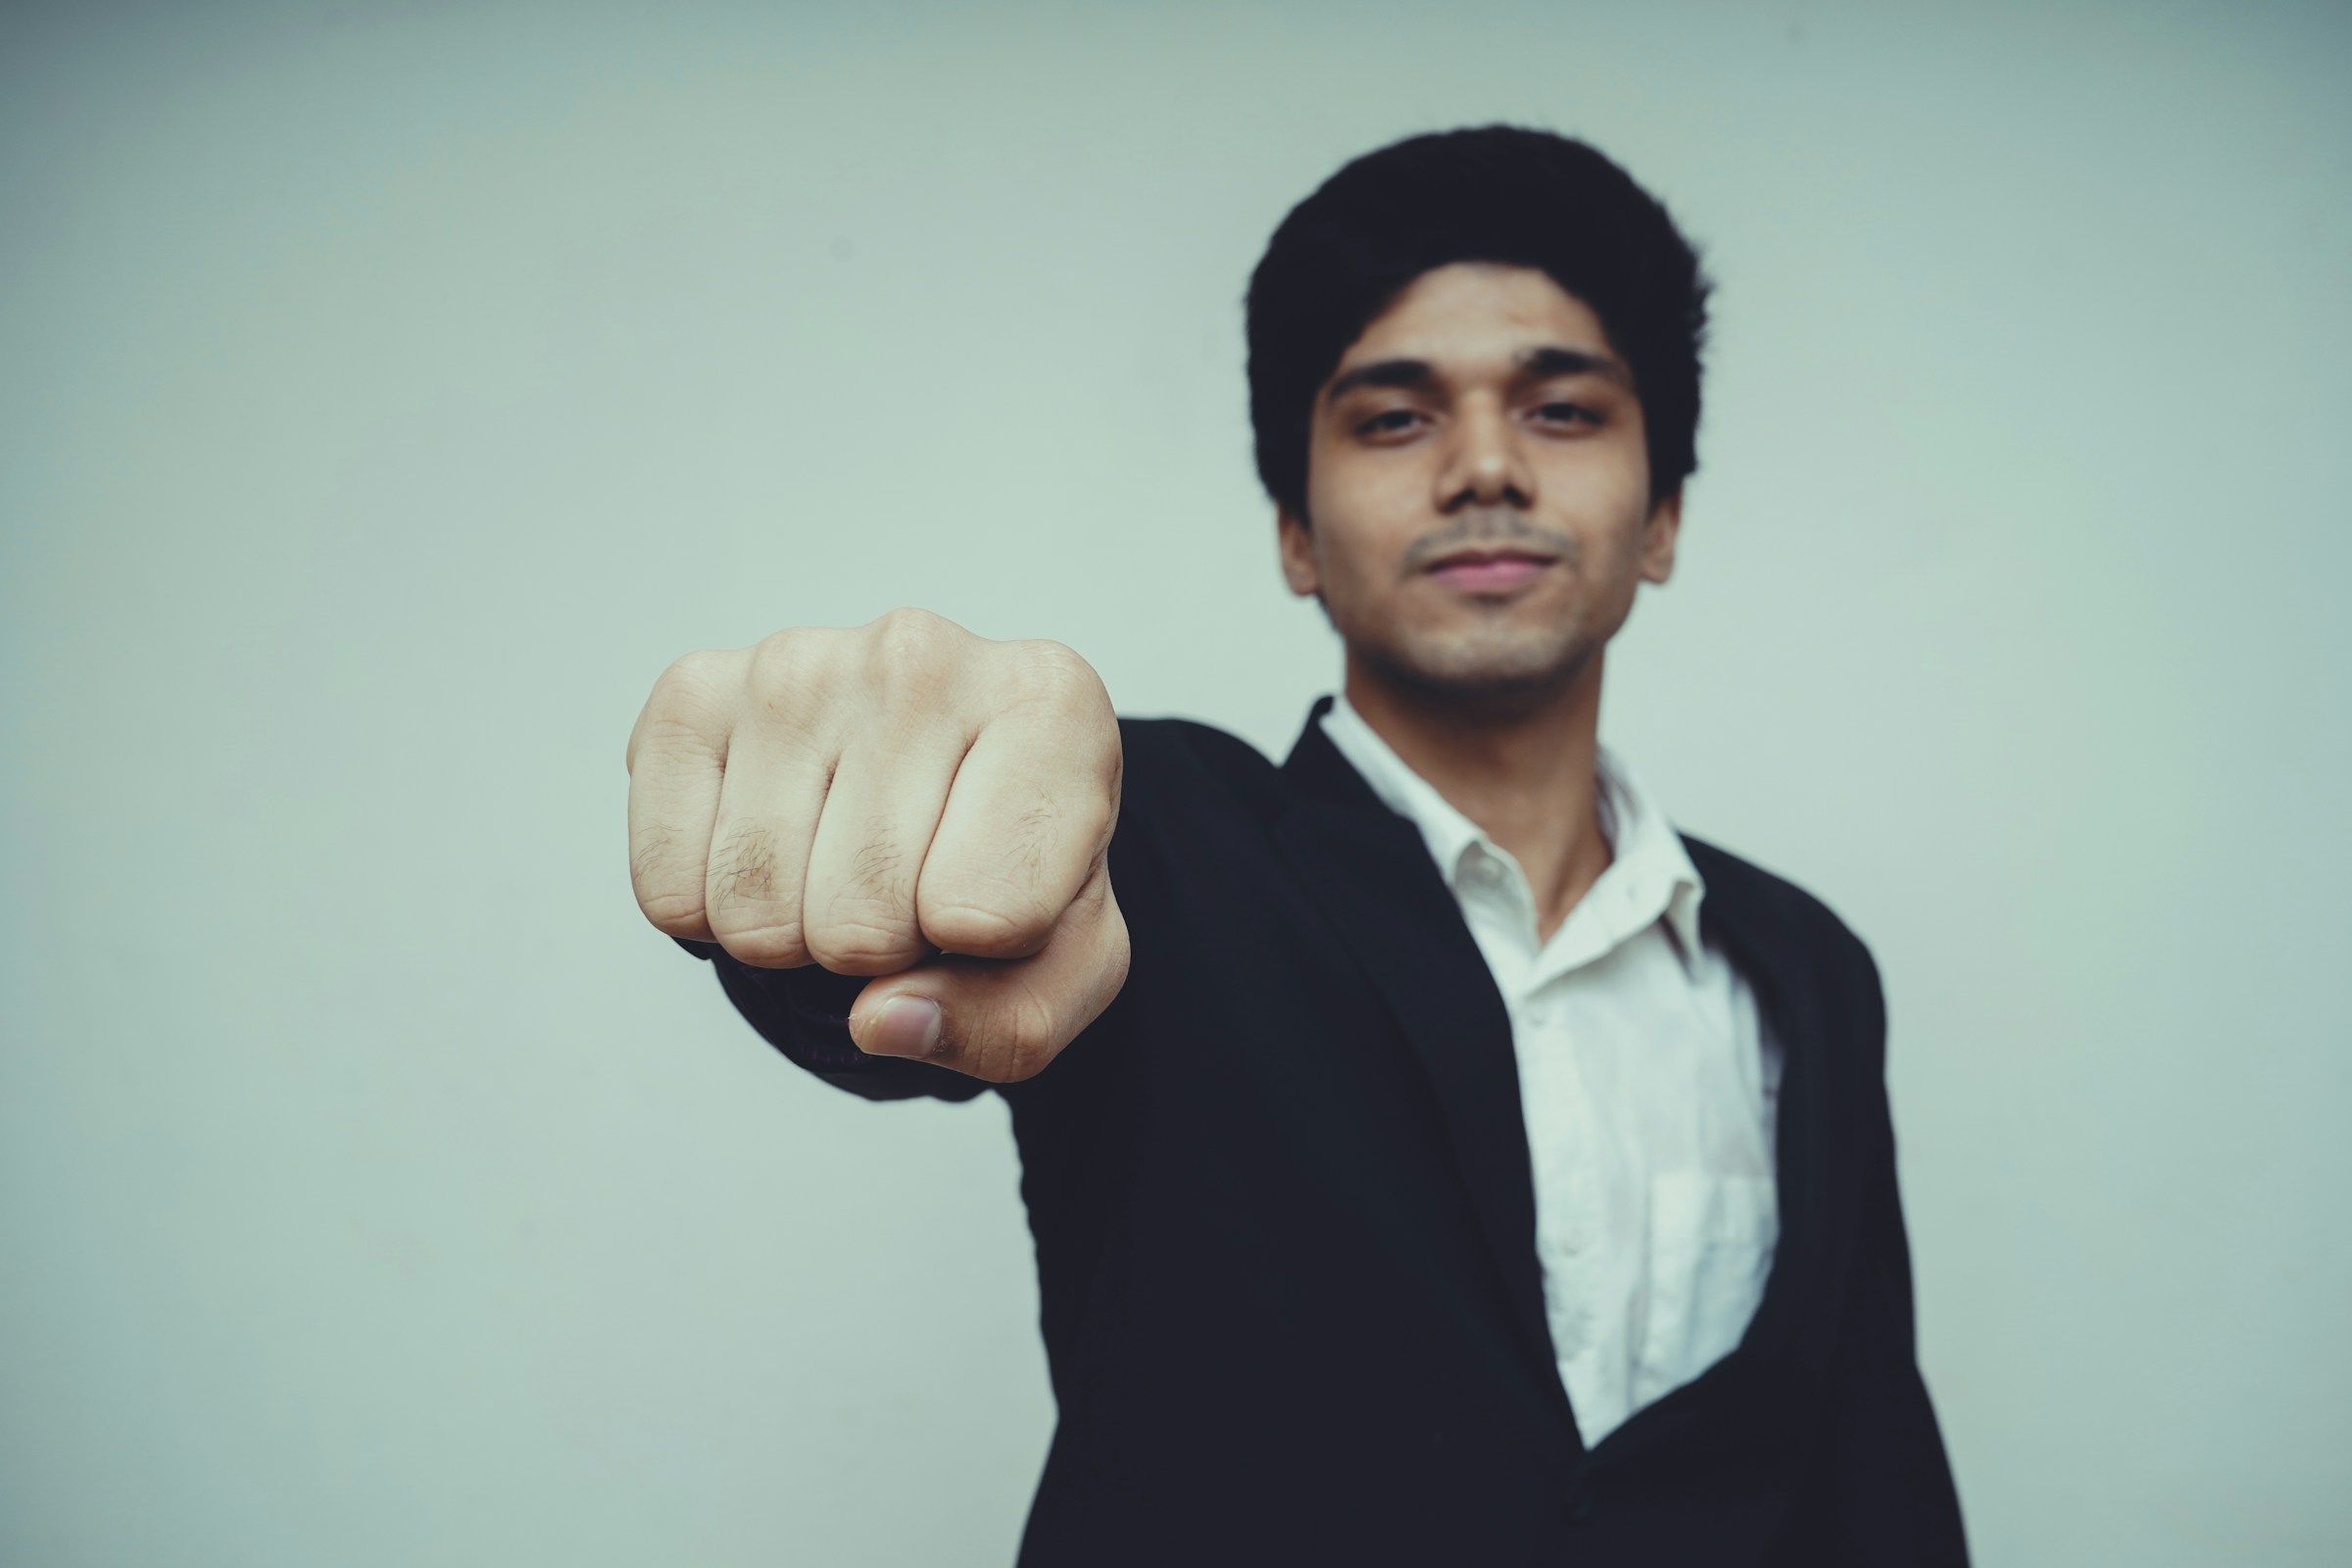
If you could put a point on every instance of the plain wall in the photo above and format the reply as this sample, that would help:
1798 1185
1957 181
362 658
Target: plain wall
388 393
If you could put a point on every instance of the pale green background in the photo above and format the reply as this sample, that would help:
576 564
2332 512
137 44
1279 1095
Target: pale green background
391 392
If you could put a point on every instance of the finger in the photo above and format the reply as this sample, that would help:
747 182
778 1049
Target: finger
1027 821
767 810
1006 1020
886 792
675 759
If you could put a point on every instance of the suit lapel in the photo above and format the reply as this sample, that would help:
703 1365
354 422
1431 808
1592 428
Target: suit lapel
1370 870
1372 873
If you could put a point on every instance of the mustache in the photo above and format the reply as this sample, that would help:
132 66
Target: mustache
1503 530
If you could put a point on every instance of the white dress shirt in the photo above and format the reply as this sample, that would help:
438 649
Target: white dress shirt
1648 1080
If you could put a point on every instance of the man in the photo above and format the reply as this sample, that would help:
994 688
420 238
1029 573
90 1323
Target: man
1433 1155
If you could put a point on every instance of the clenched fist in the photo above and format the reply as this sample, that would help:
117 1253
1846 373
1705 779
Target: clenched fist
902 800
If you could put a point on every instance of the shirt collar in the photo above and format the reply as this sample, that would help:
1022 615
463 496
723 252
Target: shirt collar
1642 839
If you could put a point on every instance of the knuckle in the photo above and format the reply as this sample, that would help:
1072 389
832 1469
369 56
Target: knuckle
910 621
862 946
774 945
649 849
684 710
743 868
995 1047
1040 670
1029 1041
673 902
791 642
697 670
982 930
909 648
669 732
792 675
679 914
875 878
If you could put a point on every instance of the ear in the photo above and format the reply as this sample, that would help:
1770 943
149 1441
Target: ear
1658 534
1297 544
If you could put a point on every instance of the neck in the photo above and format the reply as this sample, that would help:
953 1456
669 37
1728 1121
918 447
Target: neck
1529 780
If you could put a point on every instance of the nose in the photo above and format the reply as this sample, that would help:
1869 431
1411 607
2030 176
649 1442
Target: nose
1483 463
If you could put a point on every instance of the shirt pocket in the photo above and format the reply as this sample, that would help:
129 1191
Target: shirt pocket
1711 1241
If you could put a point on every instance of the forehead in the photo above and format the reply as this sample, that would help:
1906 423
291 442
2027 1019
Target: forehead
1476 313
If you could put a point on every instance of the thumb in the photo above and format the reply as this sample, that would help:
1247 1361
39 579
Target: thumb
1002 1019
903 1024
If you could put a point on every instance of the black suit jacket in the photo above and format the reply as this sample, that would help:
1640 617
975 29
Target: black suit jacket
1285 1222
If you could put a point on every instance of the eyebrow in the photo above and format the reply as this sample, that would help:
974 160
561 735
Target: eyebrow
1540 363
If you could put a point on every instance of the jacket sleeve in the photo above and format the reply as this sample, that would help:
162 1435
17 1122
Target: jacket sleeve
805 1013
1881 1489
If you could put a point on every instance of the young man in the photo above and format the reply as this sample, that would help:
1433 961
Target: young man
1433 1154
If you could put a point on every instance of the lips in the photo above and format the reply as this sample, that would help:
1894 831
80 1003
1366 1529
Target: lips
1479 557
1490 571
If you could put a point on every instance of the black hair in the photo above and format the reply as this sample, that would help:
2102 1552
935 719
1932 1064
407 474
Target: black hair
1495 193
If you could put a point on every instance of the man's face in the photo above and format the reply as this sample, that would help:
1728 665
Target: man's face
1466 431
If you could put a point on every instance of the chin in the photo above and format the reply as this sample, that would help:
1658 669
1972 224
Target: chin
1472 677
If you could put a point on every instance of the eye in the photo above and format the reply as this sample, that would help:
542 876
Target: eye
1572 412
1376 426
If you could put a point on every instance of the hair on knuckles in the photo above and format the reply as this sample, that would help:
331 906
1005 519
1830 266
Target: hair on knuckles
1495 192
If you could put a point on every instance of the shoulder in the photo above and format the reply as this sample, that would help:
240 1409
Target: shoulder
1788 903
1183 762
1825 954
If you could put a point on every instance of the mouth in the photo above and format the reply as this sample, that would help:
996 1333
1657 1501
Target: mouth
1490 571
